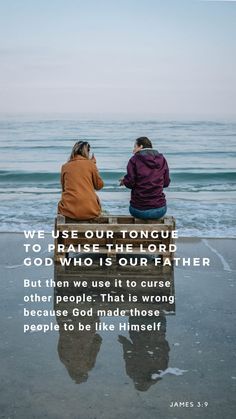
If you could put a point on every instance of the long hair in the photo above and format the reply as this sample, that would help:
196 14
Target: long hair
80 148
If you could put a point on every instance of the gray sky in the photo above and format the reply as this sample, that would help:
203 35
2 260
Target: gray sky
143 57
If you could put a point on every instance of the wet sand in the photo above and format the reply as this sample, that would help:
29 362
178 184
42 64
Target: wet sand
108 375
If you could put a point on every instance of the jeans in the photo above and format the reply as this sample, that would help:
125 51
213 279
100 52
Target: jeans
153 213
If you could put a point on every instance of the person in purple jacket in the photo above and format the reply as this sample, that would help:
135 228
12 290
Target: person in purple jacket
147 175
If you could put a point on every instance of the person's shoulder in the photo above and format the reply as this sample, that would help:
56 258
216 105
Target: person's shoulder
133 159
67 166
91 163
161 156
164 158
64 165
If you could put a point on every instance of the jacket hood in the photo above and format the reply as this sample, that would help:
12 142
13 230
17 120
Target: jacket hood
150 157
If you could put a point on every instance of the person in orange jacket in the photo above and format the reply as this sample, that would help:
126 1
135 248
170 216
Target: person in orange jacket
79 179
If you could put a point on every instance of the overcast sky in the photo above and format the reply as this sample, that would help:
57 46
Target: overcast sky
144 57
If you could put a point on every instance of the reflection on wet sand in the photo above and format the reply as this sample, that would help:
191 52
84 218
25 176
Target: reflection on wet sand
145 353
78 349
145 349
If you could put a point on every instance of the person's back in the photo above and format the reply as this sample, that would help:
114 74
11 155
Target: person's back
147 175
80 178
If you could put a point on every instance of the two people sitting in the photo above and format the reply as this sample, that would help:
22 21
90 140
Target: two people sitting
147 175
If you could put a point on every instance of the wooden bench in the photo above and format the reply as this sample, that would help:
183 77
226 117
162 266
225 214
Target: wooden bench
114 224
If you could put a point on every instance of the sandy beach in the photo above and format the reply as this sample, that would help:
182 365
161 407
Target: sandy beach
54 375
129 106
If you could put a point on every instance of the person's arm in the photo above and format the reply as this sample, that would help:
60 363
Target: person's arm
97 180
129 179
166 175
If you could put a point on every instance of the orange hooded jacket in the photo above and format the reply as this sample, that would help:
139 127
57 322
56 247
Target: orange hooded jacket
80 178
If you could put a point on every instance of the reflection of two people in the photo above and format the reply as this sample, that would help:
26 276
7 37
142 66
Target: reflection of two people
145 352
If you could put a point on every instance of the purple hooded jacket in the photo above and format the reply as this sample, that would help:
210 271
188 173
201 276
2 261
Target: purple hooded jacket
147 175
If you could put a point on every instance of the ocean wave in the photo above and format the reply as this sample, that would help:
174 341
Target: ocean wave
184 191
18 176
190 176
193 218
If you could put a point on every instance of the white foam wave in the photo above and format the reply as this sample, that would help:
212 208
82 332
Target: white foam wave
220 256
170 370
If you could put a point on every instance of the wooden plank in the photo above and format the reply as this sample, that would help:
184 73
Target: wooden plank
112 220
114 227
145 242
83 240
102 220
154 221
135 251
119 219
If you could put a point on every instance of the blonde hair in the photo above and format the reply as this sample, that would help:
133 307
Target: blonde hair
80 148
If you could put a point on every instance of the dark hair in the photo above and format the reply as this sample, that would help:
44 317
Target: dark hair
80 148
144 141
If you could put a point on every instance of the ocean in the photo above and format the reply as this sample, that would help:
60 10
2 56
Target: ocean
201 157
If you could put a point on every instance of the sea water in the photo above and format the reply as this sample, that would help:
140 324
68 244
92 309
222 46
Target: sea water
201 157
